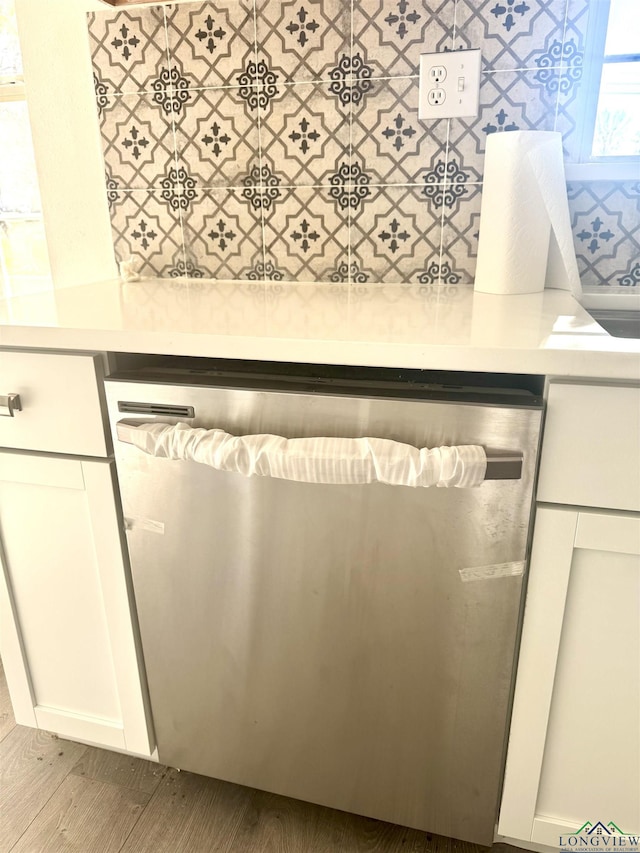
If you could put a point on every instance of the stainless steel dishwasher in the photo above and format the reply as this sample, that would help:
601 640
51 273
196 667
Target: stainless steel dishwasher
349 645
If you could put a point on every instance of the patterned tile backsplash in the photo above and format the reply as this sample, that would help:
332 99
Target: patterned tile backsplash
279 139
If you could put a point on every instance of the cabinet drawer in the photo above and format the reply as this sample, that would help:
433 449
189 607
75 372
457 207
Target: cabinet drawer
60 399
591 447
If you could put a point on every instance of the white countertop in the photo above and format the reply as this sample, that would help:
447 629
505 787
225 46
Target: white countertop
418 326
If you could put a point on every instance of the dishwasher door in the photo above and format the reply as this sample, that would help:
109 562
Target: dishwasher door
325 642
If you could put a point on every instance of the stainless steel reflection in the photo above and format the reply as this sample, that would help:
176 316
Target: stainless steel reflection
319 641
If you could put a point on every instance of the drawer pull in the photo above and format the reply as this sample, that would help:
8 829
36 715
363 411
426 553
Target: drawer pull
9 405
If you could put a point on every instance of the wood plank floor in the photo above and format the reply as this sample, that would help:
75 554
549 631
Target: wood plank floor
57 796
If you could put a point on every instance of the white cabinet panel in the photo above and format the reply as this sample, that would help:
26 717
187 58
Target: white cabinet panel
592 750
574 745
65 604
47 535
591 447
60 397
553 540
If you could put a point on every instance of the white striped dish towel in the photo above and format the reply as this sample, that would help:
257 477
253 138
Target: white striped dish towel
345 461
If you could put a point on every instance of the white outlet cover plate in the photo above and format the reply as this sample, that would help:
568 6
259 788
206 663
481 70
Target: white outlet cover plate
461 84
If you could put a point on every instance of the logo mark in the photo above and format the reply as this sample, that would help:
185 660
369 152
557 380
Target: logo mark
601 836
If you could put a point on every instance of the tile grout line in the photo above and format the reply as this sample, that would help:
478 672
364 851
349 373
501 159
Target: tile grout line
351 158
442 206
446 157
175 141
562 69
263 230
237 188
319 81
455 25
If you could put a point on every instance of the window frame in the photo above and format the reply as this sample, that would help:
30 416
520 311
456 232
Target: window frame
586 167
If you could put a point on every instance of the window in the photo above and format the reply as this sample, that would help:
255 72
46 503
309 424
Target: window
608 109
616 130
24 264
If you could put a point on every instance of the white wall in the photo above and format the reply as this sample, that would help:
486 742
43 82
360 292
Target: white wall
66 139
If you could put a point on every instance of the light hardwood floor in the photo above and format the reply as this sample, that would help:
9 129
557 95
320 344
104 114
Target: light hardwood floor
57 796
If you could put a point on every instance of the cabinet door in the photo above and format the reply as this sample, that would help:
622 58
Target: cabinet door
575 469
574 746
60 397
66 633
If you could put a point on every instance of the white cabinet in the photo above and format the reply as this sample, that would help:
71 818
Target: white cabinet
60 395
67 629
574 744
591 446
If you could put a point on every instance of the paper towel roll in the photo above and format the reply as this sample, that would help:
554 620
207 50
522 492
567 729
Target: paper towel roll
525 227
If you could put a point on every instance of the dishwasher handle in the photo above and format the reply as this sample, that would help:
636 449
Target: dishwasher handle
337 461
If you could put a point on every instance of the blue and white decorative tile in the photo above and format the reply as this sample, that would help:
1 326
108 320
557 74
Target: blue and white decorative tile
629 277
509 100
389 137
145 229
171 92
258 86
350 80
560 71
559 68
128 48
445 184
266 270
350 186
216 137
568 124
137 141
112 187
306 234
178 188
396 235
261 187
303 38
210 41
511 33
103 92
439 271
307 135
346 272
223 236
605 218
390 36
572 106
576 23
185 266
460 232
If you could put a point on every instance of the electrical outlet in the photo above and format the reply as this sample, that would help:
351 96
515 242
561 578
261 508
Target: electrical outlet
449 84
436 97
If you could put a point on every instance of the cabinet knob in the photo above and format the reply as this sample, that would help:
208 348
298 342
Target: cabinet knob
9 405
